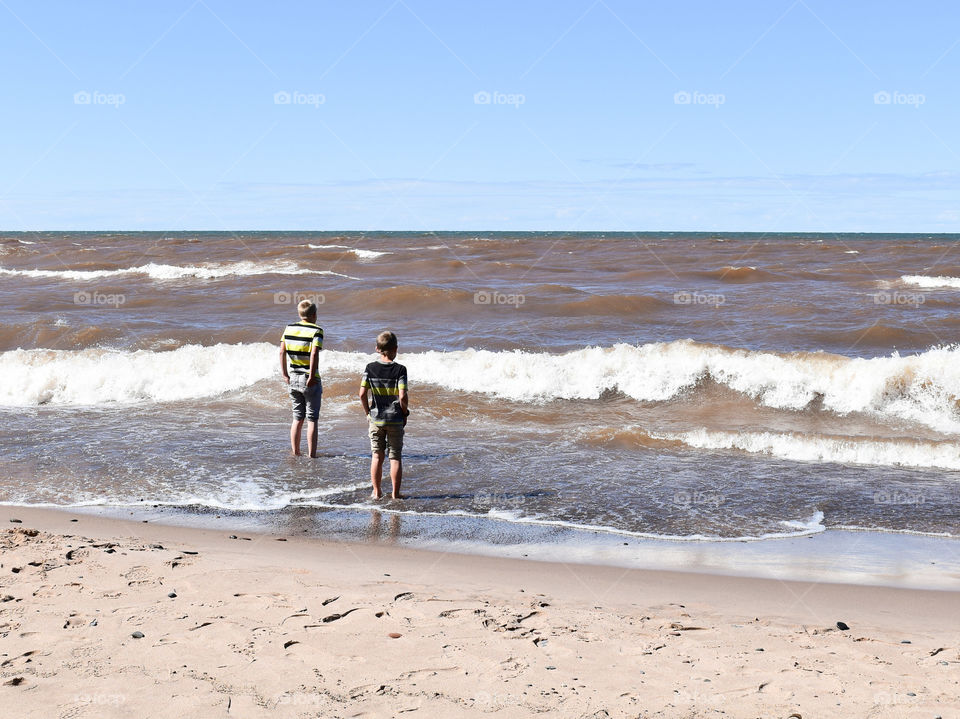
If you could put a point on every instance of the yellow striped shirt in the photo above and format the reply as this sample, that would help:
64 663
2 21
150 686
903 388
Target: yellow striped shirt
298 341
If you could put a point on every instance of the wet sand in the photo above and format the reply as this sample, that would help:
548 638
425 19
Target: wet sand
250 625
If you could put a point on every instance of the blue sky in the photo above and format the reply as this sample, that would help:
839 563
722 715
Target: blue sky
416 114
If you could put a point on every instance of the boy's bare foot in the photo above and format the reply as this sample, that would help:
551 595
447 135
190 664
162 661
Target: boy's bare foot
376 495
398 496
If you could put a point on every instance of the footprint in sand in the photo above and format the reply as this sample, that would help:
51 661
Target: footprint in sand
75 620
139 576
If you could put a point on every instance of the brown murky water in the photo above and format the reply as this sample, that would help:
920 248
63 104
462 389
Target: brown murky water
679 385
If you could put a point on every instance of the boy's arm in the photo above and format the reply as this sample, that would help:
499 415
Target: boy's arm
312 377
363 394
404 397
283 361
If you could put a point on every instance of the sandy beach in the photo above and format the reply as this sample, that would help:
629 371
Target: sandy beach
251 625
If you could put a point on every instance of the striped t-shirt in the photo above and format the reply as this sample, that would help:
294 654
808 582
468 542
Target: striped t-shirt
384 380
299 339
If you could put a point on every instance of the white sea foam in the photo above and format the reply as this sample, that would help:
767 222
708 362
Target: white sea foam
239 494
176 272
844 450
922 388
361 254
100 376
931 283
792 528
96 376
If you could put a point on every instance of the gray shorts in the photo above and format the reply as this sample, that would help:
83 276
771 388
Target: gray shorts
389 434
306 400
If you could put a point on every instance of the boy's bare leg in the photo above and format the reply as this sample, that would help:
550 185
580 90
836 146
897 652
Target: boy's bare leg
396 476
312 438
376 469
295 436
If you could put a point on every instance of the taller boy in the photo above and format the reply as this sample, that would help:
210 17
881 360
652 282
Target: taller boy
386 382
299 346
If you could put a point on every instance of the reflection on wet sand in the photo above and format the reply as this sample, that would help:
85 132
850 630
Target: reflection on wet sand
378 533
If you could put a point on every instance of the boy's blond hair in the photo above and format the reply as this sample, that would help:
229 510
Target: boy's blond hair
306 308
386 341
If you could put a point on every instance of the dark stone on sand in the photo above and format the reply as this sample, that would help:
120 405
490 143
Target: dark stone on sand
74 520
905 641
842 626
137 635
172 595
187 551
394 635
290 643
17 521
233 536
551 667
15 682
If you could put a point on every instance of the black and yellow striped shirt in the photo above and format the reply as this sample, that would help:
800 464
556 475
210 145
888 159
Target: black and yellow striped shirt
299 339
384 381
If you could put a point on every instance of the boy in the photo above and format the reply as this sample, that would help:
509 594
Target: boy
386 381
299 345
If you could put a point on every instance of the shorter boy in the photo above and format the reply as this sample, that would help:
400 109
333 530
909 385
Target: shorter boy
386 381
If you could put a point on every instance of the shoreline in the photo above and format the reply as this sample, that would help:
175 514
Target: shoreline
274 547
841 556
253 625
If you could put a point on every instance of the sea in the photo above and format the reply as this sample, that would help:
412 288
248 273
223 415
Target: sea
572 390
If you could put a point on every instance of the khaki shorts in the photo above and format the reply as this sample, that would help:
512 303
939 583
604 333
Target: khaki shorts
390 434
